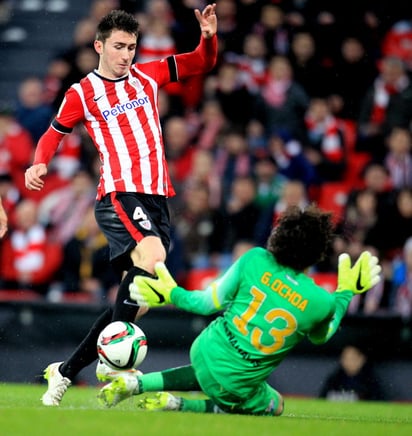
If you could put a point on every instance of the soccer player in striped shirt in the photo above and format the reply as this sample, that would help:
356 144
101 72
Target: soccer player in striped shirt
117 104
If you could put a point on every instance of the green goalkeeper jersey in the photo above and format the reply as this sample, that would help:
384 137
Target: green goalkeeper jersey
267 310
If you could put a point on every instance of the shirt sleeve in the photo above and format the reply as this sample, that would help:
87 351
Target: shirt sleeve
184 65
324 331
216 297
70 113
199 61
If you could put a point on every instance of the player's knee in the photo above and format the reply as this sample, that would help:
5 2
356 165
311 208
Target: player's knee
149 251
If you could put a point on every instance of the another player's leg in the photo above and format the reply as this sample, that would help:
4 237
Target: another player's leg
57 385
124 310
137 228
59 375
56 374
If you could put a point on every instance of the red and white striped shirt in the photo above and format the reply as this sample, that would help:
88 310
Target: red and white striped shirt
122 118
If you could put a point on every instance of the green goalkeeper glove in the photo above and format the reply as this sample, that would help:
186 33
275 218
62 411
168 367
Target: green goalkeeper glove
361 277
148 292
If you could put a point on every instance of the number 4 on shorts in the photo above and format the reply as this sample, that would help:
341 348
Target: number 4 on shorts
139 215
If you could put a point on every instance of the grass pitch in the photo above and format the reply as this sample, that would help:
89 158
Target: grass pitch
21 413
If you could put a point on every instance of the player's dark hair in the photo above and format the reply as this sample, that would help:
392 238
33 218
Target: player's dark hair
301 237
116 20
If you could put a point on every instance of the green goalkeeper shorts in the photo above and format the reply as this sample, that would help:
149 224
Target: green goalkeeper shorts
264 400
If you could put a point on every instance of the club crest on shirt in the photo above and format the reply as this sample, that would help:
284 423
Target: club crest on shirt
136 84
146 224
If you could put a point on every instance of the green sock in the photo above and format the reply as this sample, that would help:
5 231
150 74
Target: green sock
182 378
197 406
151 382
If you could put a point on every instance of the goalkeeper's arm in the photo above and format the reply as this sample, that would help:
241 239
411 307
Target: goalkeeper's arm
324 331
149 292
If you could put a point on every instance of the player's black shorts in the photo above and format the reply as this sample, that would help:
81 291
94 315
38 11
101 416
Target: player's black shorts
126 218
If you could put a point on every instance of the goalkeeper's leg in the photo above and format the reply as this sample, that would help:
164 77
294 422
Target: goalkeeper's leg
266 401
165 401
175 379
182 378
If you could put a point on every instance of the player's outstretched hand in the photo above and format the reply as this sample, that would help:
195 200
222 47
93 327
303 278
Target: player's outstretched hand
207 20
362 276
33 177
148 292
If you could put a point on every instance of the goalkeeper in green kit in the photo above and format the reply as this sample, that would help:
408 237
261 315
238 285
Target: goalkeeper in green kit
268 303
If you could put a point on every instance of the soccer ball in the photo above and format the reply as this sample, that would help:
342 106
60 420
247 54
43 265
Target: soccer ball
122 345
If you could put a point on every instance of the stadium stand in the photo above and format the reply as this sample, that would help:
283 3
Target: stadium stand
35 33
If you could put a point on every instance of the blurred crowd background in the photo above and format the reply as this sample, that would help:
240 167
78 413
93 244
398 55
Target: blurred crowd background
310 101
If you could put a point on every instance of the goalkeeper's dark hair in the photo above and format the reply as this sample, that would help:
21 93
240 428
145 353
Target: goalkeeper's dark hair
301 237
116 20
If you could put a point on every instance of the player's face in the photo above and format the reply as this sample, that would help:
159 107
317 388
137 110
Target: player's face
116 54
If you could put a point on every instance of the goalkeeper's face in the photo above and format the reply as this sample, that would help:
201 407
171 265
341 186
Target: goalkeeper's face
116 54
